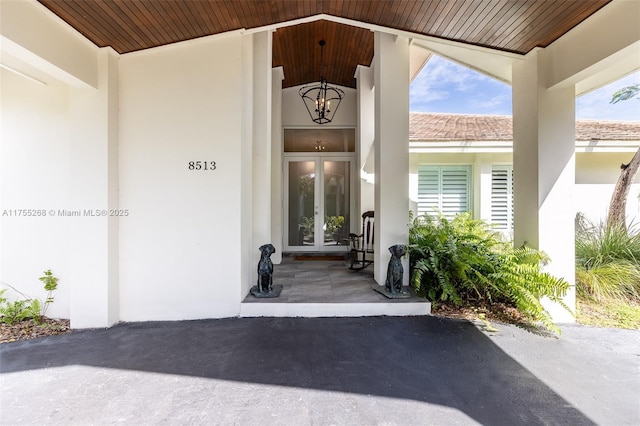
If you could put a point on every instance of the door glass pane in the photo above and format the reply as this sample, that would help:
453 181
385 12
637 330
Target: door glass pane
301 202
336 202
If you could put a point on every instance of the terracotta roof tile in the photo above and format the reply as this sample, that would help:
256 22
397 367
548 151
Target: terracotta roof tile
437 127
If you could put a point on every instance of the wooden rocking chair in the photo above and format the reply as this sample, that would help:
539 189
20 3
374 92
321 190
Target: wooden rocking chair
361 246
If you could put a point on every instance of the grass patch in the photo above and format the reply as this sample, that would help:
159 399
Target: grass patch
607 262
610 313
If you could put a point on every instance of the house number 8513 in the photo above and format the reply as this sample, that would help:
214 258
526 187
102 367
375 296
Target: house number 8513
202 165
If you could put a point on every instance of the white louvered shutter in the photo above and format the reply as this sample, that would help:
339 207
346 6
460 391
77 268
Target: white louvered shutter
502 197
428 190
444 188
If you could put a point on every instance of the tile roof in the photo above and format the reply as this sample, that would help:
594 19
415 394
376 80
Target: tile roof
438 127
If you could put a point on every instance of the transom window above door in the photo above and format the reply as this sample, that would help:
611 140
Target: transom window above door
319 140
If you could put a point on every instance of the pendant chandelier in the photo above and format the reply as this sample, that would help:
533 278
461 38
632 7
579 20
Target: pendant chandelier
321 100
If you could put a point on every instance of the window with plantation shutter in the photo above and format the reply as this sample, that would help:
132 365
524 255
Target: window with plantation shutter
502 197
444 188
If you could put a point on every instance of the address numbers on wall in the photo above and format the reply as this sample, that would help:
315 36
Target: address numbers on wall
202 165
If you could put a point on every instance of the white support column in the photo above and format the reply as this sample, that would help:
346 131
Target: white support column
276 163
366 133
261 159
391 79
246 178
256 153
544 170
94 236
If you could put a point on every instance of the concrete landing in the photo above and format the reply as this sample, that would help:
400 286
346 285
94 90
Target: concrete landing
327 288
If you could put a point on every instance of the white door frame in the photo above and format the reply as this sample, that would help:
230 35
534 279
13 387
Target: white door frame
319 159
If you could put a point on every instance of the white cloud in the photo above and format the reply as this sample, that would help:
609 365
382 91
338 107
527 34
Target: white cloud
444 86
596 104
496 104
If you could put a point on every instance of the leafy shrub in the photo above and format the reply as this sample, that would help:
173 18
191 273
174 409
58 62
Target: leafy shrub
607 261
50 284
28 308
13 312
464 261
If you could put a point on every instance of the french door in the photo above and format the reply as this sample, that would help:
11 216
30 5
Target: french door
318 202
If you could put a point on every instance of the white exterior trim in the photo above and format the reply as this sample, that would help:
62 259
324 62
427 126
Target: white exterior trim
507 147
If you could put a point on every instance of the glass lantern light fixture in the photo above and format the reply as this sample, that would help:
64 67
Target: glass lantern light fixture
321 99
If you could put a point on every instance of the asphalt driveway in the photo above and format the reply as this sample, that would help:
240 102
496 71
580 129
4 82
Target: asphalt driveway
322 371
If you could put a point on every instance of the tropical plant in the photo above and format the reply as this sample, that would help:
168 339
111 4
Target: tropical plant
50 284
334 224
307 224
607 261
464 261
28 308
626 93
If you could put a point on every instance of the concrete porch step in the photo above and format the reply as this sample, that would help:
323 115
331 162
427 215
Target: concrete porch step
413 308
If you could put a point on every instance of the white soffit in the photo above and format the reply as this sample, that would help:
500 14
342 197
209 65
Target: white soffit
21 61
494 64
418 58
614 68
602 49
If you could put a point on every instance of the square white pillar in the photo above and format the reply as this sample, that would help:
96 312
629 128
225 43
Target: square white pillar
276 164
94 242
256 153
261 136
544 171
391 144
365 137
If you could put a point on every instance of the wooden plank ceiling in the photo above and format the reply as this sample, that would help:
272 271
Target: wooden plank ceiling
508 25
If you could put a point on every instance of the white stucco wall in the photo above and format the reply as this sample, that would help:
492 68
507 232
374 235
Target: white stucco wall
596 176
35 173
180 247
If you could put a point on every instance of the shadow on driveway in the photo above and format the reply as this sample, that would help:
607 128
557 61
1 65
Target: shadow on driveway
426 359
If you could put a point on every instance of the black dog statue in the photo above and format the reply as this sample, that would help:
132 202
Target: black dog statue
395 270
265 269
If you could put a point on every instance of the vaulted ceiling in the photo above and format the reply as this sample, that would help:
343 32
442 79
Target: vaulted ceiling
508 25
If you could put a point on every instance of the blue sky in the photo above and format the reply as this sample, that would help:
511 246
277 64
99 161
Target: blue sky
444 86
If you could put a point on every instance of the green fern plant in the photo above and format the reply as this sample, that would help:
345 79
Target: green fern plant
521 279
465 261
28 308
14 312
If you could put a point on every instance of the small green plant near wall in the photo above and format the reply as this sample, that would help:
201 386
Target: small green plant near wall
465 262
28 307
50 285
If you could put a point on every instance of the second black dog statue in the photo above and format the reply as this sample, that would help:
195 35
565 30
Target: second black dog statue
395 270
